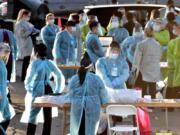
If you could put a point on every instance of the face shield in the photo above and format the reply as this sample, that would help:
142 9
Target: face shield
113 52
4 52
138 31
159 26
115 22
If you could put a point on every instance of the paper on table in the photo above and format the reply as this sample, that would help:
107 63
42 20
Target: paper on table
52 99
123 95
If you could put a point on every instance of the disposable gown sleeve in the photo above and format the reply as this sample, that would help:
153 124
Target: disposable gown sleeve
29 77
46 37
124 34
13 44
24 31
71 86
97 48
102 92
56 49
137 57
148 24
123 76
124 46
1 87
102 73
59 78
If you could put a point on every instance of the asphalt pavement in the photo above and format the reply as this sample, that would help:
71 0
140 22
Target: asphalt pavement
17 128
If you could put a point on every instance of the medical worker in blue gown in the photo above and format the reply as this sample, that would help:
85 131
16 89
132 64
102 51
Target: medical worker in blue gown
128 46
87 94
37 83
113 69
94 47
7 36
48 34
6 110
116 31
64 48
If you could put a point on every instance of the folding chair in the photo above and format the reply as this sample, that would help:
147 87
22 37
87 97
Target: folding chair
123 111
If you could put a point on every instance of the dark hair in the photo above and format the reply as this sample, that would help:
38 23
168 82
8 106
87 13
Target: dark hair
21 13
155 13
93 24
70 23
114 1
40 50
118 14
170 3
82 74
80 12
170 16
115 44
75 17
129 16
85 62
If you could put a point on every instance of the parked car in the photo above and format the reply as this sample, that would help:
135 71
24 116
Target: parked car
104 12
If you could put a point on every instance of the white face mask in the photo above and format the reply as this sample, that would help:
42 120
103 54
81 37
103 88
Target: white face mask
51 21
138 34
27 19
156 28
114 55
115 24
73 29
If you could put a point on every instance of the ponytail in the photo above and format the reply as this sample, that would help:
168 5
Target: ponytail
82 74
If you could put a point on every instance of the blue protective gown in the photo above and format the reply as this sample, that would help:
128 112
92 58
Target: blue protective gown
118 34
89 96
38 74
128 46
64 50
94 47
13 46
150 24
177 19
48 34
6 110
113 72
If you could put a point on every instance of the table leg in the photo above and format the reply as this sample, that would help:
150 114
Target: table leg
64 120
166 119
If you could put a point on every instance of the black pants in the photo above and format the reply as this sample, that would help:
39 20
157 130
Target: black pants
145 86
31 129
82 126
25 65
173 92
47 112
9 72
4 125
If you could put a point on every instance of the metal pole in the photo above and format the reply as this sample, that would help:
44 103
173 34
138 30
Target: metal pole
167 119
